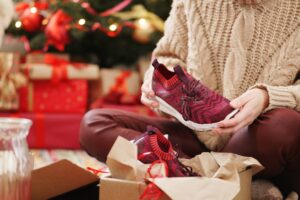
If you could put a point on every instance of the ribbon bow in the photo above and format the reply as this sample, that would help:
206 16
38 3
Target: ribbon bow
59 67
9 82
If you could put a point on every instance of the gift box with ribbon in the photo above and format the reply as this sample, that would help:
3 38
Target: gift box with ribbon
119 86
57 85
10 81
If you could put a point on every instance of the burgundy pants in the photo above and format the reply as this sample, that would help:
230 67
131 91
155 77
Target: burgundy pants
273 139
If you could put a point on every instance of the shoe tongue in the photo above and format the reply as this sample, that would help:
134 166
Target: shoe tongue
181 75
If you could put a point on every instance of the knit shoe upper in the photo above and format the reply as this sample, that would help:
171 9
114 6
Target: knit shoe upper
185 98
153 146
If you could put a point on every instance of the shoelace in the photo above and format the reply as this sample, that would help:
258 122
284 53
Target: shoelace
190 95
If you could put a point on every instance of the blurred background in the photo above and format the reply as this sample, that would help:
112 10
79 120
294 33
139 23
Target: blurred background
61 58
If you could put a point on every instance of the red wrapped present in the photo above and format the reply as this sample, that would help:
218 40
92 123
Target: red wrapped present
57 85
52 130
45 96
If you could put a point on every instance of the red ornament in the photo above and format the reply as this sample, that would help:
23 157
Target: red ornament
31 20
57 30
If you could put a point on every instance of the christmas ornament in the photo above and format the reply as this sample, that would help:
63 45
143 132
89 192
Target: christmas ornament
143 30
31 20
57 30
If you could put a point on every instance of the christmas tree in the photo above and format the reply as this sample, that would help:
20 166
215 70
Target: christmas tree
108 32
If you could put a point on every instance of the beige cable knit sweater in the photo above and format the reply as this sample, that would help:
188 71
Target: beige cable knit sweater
233 45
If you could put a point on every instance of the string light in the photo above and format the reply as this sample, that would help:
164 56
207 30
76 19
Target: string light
33 9
81 22
18 24
113 27
143 23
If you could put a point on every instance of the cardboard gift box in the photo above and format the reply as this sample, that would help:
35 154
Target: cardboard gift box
63 180
223 176
52 130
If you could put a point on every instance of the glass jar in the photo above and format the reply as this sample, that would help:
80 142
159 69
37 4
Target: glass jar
16 163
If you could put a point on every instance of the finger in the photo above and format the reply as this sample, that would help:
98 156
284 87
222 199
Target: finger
236 128
238 118
240 101
150 94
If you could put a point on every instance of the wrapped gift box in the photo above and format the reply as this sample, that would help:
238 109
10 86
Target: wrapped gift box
120 86
10 81
52 130
56 77
44 96
42 71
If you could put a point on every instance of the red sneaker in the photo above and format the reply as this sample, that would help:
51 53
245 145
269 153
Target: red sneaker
153 146
189 101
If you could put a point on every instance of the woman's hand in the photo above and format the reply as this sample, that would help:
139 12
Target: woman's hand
148 95
250 104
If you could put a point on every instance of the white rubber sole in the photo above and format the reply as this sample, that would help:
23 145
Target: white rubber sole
166 108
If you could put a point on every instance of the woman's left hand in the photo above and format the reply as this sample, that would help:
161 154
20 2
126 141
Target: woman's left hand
250 104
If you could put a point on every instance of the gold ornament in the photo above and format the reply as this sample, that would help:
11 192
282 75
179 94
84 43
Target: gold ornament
143 30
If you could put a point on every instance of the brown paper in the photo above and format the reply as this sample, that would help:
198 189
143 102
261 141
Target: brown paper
221 173
44 71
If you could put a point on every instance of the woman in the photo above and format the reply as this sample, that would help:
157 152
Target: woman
246 50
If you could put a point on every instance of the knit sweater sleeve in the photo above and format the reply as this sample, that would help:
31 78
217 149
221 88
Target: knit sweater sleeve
172 48
285 96
282 96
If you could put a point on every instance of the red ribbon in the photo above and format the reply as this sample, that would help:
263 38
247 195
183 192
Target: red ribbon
108 12
59 67
118 89
39 130
97 171
26 43
98 26
152 191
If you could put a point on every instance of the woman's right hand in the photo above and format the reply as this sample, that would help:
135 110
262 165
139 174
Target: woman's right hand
148 95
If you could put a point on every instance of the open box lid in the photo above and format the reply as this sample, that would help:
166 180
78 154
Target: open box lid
61 178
